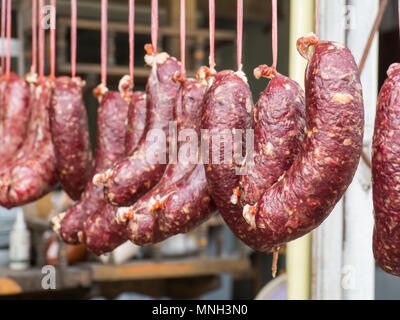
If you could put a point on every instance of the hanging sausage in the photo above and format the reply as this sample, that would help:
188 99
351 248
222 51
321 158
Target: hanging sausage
32 173
69 122
132 177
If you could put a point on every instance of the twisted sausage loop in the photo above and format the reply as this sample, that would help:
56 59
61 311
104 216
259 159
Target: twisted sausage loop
291 204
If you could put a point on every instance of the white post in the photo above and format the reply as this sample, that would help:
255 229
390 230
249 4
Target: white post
358 263
327 239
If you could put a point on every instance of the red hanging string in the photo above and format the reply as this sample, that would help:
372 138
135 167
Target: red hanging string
211 5
239 33
154 24
53 39
34 36
274 34
183 38
3 31
316 17
131 38
41 40
9 17
74 17
104 26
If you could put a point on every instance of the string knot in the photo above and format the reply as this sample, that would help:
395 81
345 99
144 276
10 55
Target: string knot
264 71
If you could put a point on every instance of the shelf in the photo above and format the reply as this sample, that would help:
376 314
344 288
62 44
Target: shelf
86 274
182 268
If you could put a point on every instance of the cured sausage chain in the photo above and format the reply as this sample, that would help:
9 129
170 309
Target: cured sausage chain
129 179
308 191
180 201
110 147
70 134
386 175
32 172
100 232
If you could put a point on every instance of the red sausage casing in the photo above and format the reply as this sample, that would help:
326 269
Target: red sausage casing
70 134
100 232
279 122
130 178
110 146
15 115
386 174
32 173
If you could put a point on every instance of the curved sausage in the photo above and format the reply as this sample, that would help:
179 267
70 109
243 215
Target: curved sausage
188 109
279 122
306 194
32 174
100 233
132 177
70 134
15 115
386 175
110 146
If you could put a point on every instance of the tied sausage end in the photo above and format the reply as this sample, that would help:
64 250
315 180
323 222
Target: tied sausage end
304 44
264 71
249 214
125 88
100 91
56 221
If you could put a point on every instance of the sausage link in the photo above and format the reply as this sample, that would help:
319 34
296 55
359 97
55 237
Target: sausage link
70 134
132 177
279 122
228 106
110 146
100 233
385 175
15 115
305 195
328 160
188 110
136 121
33 173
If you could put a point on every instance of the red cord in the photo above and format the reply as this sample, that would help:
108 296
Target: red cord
183 38
104 26
9 17
316 17
154 24
131 38
211 5
53 38
239 33
74 17
34 36
3 31
41 40
274 33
